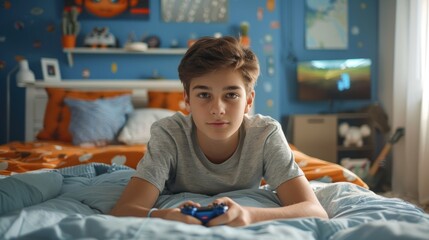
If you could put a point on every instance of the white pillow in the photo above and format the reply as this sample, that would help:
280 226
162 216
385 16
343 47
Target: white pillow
137 128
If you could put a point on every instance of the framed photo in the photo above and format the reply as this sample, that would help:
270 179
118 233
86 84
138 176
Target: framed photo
51 70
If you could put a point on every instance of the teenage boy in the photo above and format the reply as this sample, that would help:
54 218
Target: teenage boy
218 148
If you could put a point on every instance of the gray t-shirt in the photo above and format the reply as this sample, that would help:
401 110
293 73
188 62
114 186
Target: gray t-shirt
175 163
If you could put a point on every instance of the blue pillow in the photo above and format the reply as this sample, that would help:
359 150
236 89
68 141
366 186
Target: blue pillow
98 121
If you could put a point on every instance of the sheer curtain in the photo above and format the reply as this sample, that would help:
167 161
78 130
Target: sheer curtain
411 100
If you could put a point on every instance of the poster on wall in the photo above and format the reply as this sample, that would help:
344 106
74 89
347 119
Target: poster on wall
108 9
194 11
326 24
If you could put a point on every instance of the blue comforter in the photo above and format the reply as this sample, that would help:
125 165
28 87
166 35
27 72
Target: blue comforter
72 203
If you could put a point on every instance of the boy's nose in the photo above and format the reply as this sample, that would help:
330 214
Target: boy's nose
217 108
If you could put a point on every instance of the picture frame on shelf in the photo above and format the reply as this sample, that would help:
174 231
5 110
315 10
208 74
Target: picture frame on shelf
51 70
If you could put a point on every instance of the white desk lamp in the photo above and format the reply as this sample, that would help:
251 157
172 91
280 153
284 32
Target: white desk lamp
23 75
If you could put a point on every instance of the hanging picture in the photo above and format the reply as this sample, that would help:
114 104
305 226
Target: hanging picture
194 11
326 24
108 9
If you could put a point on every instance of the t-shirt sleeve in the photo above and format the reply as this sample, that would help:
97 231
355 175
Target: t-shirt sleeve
279 161
158 160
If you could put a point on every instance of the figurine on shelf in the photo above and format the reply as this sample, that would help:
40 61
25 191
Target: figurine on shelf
133 45
70 27
244 34
100 37
174 43
152 41
353 135
192 39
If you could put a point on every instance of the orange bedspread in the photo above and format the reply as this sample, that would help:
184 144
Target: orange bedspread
316 169
17 157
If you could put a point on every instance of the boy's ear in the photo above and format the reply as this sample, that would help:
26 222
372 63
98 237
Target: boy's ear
186 98
250 99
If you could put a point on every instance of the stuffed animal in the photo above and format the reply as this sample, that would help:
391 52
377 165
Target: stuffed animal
354 135
100 37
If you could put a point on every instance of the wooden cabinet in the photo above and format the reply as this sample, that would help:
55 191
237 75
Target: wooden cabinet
318 136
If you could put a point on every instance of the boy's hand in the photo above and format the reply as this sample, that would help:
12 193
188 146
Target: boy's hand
235 216
175 214
189 203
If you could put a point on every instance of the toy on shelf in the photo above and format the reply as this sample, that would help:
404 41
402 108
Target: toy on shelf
70 27
353 135
133 45
174 43
152 41
359 166
100 37
192 39
244 34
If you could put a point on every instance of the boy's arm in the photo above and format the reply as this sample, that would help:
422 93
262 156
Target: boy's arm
299 200
139 197
296 196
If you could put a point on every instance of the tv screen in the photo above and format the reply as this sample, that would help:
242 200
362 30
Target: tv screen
345 79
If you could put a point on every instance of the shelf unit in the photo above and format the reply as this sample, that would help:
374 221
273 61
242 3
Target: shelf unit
150 51
318 136
148 84
368 149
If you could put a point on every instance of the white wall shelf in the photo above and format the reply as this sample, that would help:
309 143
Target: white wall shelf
148 84
150 51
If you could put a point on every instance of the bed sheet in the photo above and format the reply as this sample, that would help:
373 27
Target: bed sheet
18 157
72 203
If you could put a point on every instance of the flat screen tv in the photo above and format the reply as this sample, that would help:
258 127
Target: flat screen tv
345 79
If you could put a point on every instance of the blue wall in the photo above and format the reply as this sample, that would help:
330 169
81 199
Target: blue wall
40 37
362 14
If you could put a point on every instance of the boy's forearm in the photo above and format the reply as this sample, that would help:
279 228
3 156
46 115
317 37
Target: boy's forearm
129 211
303 209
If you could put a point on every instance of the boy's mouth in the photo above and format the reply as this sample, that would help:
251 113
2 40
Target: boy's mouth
218 123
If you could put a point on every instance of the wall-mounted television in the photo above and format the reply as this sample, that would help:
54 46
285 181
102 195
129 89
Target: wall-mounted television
343 79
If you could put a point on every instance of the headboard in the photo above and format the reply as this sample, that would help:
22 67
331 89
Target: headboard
36 98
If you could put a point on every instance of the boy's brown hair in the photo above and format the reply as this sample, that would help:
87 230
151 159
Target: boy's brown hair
210 54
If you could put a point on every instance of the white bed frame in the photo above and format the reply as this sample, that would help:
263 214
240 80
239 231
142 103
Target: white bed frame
36 97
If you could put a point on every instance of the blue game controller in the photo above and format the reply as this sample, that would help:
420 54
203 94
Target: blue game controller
205 214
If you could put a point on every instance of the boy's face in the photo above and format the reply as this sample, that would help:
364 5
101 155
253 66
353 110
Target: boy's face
218 102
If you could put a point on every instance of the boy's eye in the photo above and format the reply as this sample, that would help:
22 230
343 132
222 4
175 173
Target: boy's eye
203 95
232 95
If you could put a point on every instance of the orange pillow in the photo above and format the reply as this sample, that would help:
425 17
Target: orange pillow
169 100
57 114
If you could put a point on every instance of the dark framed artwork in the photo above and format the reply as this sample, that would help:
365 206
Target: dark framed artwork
108 9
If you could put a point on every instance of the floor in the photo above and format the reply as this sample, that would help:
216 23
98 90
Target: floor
410 200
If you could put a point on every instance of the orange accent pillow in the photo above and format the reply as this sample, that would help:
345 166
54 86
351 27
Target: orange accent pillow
57 114
168 100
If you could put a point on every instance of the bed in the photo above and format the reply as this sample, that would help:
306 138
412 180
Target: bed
56 189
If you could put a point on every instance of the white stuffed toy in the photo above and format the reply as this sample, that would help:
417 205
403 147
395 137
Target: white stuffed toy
354 135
